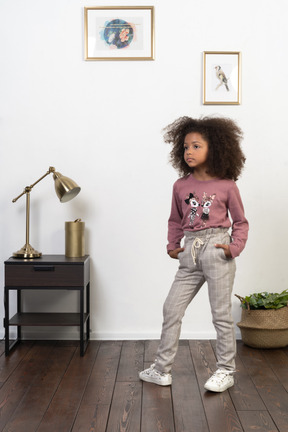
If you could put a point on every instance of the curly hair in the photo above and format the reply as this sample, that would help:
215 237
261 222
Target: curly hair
225 157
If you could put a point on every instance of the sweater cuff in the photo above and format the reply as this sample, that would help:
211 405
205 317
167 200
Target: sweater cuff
172 246
234 250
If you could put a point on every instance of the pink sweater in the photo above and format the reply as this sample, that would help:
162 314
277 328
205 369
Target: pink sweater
198 205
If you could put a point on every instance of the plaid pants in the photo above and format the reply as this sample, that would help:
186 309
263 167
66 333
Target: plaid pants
201 262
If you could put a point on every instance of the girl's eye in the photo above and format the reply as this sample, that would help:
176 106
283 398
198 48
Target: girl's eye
196 146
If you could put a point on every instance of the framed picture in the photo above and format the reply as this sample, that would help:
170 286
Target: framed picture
119 33
221 78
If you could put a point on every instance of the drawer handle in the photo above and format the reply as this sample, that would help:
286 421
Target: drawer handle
44 268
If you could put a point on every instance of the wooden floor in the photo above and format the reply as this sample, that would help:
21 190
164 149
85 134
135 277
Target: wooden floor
47 386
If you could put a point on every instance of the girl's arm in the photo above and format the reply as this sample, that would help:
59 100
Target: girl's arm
175 231
240 224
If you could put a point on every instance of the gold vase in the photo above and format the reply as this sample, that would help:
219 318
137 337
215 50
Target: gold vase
74 239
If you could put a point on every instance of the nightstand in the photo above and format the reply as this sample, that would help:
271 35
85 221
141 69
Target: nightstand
49 272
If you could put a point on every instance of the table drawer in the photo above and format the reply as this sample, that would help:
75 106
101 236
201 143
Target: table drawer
44 275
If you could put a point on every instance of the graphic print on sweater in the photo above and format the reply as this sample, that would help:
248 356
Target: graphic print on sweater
206 203
193 200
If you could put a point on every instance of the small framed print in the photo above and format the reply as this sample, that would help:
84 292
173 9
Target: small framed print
119 33
221 78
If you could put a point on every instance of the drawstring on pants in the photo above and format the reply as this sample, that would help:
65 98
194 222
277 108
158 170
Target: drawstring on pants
197 243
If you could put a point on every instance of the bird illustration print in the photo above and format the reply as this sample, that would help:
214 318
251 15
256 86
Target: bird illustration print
222 78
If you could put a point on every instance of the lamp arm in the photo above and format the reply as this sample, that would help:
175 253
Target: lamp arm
29 188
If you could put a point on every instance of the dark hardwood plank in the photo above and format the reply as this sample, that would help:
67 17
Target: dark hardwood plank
92 418
99 389
188 409
131 361
21 380
47 386
33 405
95 405
275 398
244 393
9 364
278 361
285 350
63 408
220 412
259 421
256 365
125 415
157 412
2 347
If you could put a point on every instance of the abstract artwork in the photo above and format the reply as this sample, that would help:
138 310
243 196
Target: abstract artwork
119 33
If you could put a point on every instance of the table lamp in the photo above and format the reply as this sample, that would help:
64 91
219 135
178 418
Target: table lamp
66 189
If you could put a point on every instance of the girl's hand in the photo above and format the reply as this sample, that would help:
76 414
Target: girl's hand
174 253
226 249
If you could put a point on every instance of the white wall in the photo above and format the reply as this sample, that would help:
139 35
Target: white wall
100 123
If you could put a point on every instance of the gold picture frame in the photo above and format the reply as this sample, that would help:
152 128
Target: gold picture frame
119 33
221 78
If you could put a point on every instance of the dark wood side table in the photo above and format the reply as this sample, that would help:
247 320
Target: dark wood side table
50 272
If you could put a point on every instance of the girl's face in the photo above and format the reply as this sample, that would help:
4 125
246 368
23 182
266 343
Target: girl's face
195 151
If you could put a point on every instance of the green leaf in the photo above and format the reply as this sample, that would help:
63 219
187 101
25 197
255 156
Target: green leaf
265 300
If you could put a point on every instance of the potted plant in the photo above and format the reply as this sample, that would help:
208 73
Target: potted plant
264 320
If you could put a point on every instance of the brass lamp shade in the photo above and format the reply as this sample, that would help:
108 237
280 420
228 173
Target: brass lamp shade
66 189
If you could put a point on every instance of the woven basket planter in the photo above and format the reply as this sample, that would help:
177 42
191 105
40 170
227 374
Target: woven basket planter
264 328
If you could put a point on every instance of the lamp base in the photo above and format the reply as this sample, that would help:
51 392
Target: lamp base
27 251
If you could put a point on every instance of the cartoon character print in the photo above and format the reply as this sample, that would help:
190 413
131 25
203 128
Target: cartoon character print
206 204
193 200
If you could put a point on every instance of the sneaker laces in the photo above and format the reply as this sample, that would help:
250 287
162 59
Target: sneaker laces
152 370
219 376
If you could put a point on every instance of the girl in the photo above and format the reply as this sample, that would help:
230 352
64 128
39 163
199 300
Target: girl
207 154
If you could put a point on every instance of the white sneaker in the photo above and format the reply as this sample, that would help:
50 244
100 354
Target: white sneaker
220 381
153 376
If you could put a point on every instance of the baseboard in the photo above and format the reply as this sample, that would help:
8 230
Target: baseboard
64 333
